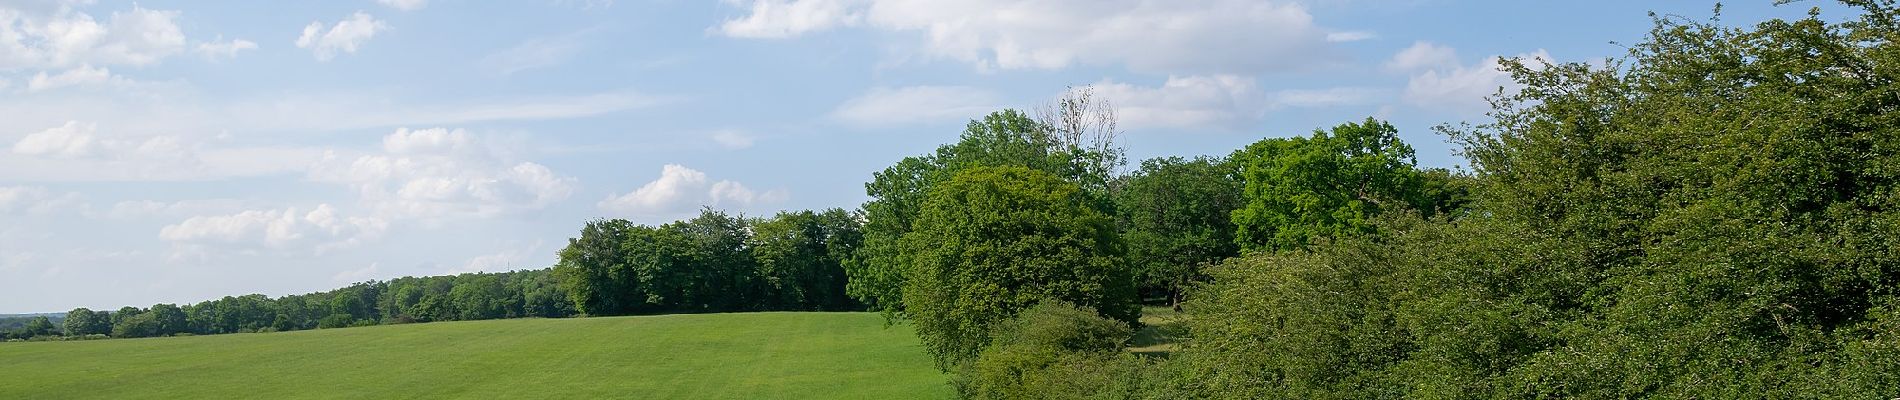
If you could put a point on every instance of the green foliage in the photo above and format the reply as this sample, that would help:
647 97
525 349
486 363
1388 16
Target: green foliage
1328 185
593 267
37 326
995 240
714 262
1710 217
1176 215
139 325
1055 350
1005 138
83 321
800 259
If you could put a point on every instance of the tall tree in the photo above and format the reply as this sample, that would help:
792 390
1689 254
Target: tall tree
1329 184
799 257
1176 216
169 319
995 240
1078 153
594 271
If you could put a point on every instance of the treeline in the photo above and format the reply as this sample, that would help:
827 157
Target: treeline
474 296
714 262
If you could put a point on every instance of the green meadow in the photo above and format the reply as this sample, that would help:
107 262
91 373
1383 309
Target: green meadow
791 355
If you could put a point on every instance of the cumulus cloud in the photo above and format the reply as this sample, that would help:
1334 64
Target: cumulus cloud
773 19
1447 86
83 75
54 35
345 36
915 104
220 49
78 142
405 5
433 173
1192 36
1226 102
1191 101
74 139
1423 55
679 190
320 229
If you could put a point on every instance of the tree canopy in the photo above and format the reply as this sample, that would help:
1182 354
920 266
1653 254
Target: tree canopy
995 240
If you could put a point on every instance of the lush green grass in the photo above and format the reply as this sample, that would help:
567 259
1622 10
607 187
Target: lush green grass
712 356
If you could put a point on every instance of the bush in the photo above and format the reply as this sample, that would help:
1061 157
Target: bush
1054 350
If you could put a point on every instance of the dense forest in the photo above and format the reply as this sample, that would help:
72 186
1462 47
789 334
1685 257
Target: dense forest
1712 215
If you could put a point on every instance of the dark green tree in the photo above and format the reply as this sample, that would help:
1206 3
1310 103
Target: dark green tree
169 319
38 326
799 257
83 321
1080 150
995 240
594 271
1175 215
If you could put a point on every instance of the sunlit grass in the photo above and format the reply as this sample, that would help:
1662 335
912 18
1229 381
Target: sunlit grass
715 356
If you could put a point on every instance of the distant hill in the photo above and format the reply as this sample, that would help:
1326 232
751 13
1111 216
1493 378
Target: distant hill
727 356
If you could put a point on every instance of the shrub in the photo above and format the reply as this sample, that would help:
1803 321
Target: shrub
1054 350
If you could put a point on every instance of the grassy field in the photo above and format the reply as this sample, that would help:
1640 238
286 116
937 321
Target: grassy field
712 356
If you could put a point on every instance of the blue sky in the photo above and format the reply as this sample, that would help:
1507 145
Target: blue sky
177 151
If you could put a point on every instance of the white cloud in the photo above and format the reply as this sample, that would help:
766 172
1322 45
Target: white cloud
679 190
1423 55
83 75
1329 97
1225 102
345 36
505 260
220 49
405 5
1350 36
435 173
36 200
74 139
781 18
1174 36
729 192
320 229
1464 88
358 275
77 151
1191 101
54 35
915 104
732 139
